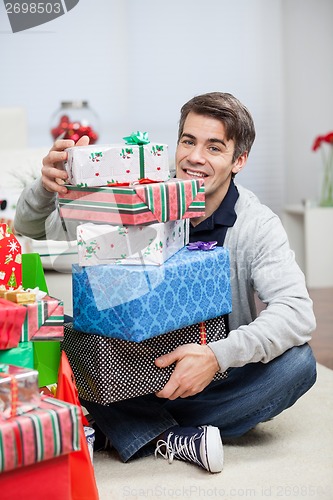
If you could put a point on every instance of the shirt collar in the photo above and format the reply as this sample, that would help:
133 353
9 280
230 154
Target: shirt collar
225 214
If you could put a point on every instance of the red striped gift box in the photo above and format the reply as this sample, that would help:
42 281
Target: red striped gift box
137 204
11 320
51 430
44 320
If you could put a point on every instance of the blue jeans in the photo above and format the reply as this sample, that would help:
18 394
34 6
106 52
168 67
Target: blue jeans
251 394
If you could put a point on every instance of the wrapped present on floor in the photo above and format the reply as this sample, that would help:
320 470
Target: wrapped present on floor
136 159
18 296
109 370
44 320
19 391
44 317
51 430
136 245
138 204
10 259
12 317
139 302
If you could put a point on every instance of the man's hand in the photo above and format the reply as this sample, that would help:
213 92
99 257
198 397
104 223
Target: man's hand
53 173
195 368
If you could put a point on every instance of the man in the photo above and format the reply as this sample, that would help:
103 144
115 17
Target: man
269 363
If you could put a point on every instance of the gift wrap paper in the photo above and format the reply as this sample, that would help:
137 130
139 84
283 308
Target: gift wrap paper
99 165
135 245
32 482
22 355
44 320
109 370
138 302
138 204
19 390
46 361
10 259
46 432
12 317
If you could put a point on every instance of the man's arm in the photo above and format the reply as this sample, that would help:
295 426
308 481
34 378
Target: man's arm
267 265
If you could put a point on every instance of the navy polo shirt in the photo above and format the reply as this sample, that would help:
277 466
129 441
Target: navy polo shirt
214 228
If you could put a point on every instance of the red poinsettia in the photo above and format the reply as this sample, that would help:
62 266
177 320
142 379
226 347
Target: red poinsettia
322 138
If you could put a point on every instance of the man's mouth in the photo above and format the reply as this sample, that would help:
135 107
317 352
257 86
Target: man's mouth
195 173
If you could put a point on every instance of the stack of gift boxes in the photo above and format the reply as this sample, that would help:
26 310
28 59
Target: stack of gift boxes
31 322
135 278
37 434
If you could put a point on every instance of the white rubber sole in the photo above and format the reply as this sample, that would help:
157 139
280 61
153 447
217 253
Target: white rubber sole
211 449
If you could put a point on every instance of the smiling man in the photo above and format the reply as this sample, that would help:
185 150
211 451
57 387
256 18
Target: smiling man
269 362
205 151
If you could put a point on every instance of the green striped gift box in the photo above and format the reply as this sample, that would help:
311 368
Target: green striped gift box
44 320
51 430
137 204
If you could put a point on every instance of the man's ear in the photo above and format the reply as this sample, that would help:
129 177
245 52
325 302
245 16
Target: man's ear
240 163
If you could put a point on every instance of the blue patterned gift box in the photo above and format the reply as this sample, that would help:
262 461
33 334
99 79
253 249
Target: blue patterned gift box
139 302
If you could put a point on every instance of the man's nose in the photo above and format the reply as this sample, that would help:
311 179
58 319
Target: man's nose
197 155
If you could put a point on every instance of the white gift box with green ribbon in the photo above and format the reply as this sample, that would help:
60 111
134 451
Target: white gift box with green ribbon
100 165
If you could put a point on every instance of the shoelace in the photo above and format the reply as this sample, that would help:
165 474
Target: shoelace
183 447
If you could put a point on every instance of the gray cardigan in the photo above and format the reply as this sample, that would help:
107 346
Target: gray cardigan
261 262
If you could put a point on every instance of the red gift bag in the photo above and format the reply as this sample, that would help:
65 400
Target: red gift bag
49 479
83 483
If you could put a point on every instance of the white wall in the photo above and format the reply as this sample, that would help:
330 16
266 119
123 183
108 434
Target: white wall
138 62
308 77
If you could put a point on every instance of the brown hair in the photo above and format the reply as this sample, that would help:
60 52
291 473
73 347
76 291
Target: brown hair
235 117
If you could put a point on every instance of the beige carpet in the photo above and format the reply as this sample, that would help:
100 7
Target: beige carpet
289 457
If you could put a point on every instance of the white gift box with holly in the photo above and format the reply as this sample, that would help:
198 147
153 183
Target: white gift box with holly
136 245
100 165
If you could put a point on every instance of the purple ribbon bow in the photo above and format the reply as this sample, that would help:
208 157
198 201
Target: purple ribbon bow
202 245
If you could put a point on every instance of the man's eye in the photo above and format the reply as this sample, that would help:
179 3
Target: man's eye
187 142
214 149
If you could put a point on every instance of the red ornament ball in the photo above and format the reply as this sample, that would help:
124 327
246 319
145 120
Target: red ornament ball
73 130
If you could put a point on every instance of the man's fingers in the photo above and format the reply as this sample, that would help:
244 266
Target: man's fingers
83 141
169 391
54 175
53 186
167 359
54 157
61 144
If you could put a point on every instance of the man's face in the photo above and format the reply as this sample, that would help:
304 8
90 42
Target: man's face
204 152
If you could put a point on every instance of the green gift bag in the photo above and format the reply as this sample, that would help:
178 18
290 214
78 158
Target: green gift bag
23 355
46 361
33 272
46 354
